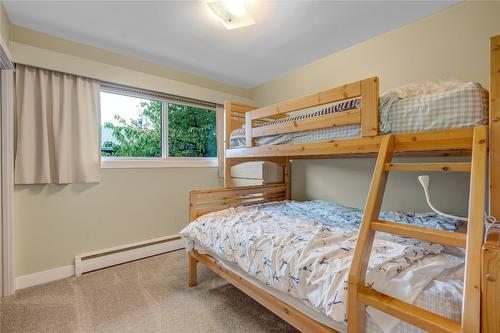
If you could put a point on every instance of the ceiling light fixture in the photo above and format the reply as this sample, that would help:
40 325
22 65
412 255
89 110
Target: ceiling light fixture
231 13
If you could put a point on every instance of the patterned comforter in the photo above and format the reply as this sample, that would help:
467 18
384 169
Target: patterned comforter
306 248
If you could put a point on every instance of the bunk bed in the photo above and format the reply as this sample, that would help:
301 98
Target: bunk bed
375 232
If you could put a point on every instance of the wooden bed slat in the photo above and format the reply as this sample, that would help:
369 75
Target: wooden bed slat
326 121
347 91
449 167
236 191
459 139
412 314
250 201
202 202
433 235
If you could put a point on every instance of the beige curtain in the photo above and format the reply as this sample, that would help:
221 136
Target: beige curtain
58 129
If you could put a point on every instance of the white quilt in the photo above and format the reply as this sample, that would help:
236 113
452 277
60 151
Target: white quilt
306 248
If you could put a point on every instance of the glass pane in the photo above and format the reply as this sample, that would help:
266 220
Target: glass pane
130 126
191 131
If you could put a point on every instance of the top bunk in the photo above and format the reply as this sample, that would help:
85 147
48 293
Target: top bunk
352 119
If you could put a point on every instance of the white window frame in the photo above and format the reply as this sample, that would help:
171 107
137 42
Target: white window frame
165 161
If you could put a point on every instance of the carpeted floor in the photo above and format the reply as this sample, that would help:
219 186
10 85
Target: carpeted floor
148 295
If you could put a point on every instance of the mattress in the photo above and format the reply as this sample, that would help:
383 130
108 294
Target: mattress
466 106
443 295
304 250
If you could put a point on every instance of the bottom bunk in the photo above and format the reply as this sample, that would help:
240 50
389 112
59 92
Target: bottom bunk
294 257
341 261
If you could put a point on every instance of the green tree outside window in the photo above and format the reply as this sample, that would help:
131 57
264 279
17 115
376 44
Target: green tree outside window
191 132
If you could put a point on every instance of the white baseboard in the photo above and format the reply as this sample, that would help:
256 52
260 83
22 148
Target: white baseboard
118 255
54 274
99 262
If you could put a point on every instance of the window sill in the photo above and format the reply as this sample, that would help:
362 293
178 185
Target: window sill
147 163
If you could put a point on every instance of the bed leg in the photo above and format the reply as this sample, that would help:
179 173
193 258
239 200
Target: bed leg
192 271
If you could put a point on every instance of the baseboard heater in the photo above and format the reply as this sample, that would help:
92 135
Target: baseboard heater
92 261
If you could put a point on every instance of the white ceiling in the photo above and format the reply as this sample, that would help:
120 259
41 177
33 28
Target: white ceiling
185 36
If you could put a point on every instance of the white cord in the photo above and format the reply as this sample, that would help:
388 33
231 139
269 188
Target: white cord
424 181
490 222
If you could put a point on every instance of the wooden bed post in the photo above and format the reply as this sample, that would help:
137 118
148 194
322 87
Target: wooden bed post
286 177
227 141
490 289
248 130
192 262
227 172
369 107
471 309
233 112
495 127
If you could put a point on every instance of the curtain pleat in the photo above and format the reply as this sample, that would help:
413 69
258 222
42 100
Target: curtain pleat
58 127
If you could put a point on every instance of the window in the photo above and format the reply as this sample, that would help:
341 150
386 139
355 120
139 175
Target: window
130 126
191 131
140 130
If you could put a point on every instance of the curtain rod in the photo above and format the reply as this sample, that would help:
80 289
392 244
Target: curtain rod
123 87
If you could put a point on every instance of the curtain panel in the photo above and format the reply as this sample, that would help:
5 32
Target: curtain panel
58 127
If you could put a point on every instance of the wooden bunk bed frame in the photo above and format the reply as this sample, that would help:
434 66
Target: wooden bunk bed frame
481 299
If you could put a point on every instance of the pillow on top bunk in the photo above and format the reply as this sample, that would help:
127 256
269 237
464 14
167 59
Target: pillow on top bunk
424 88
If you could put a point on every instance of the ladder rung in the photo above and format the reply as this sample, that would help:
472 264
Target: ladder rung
426 320
451 167
457 239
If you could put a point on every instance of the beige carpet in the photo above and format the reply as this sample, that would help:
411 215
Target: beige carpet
148 295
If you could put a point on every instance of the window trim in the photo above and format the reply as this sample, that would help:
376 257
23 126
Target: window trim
165 161
158 162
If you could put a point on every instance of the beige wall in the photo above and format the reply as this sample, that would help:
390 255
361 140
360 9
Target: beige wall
453 43
347 181
53 223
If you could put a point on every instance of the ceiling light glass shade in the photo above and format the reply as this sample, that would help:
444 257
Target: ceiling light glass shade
231 13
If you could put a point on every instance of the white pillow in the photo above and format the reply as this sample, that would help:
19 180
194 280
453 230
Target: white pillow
424 88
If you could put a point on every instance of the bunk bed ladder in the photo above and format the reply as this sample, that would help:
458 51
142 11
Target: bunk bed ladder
361 296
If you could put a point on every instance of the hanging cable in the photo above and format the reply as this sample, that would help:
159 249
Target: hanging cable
424 181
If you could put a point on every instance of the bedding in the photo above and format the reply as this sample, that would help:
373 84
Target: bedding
464 106
442 295
304 249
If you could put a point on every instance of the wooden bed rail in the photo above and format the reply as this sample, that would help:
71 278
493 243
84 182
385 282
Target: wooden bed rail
490 284
367 115
210 200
